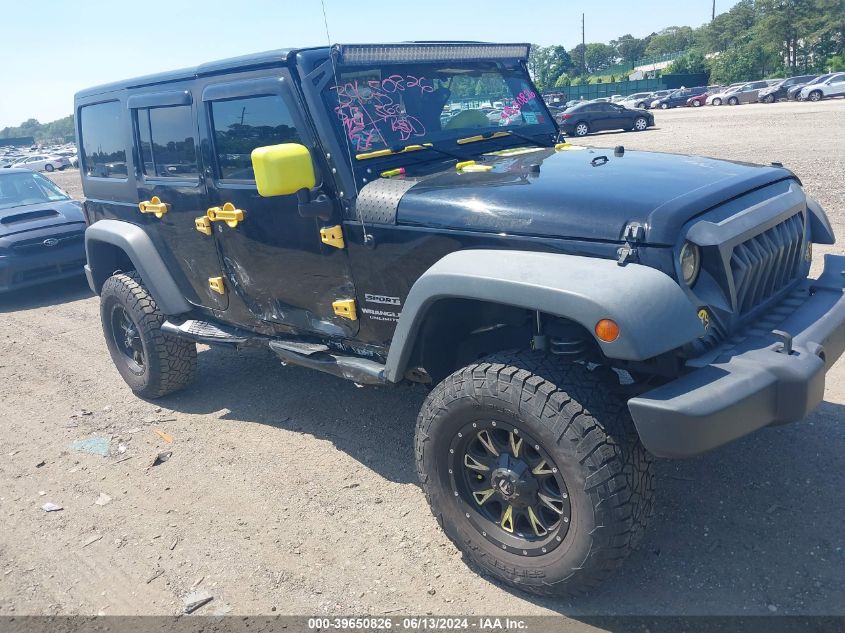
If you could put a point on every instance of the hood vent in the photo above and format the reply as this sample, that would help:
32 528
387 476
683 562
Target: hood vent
28 216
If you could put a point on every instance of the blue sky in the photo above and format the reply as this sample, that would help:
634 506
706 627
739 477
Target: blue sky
52 49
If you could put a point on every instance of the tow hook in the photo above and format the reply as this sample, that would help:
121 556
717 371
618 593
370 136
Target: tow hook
786 339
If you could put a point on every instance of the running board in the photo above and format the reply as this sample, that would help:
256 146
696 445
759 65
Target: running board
359 370
205 332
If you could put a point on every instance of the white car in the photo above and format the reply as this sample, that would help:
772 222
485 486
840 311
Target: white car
39 162
636 101
832 87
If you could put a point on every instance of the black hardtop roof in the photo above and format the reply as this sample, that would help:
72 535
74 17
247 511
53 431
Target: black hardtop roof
243 62
251 61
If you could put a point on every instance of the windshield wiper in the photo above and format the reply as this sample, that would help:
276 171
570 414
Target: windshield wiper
392 151
503 134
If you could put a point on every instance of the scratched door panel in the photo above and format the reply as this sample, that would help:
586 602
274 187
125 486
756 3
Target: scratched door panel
277 268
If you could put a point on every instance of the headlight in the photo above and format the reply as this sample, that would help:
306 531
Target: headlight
690 261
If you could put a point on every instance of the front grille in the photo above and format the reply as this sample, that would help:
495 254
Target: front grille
38 245
766 263
46 272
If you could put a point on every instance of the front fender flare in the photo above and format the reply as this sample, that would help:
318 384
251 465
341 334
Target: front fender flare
138 246
653 313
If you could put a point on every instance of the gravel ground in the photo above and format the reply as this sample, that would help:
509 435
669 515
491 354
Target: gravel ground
294 492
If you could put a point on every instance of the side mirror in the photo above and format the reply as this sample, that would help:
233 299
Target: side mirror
282 169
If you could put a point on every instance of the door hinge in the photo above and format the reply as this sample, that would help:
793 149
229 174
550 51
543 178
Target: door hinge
216 284
203 225
333 236
345 308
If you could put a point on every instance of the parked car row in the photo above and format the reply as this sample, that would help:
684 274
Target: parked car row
39 158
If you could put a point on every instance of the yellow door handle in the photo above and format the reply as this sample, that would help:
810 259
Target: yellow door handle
154 206
227 213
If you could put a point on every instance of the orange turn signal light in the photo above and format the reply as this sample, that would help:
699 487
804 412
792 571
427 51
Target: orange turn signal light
607 330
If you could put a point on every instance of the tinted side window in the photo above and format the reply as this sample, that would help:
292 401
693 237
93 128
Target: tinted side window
166 140
103 154
241 125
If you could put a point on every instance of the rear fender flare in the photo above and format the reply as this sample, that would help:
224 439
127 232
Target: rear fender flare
653 313
139 248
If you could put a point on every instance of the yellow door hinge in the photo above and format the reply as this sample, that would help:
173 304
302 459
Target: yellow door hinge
216 284
333 236
203 225
345 308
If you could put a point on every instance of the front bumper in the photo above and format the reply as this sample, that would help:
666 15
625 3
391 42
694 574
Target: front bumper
754 383
29 266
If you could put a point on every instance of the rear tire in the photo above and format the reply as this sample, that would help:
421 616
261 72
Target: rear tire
582 128
575 430
151 362
48 167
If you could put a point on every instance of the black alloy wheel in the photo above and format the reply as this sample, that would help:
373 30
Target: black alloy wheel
127 339
516 493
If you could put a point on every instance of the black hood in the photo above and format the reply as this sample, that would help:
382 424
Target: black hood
585 194
38 216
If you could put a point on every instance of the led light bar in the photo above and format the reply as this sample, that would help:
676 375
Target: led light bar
360 54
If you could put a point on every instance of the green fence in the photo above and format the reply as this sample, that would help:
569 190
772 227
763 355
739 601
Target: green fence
625 88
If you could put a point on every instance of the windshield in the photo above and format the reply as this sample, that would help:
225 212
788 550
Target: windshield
395 105
19 189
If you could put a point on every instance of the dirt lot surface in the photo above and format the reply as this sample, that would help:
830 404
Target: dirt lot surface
290 491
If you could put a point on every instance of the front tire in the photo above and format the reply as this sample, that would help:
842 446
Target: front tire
814 96
151 362
696 103
664 106
582 129
640 124
769 99
520 426
717 102
733 101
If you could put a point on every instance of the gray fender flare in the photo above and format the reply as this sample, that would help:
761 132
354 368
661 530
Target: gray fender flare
133 241
653 313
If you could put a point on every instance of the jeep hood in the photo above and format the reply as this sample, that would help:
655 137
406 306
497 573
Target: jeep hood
38 216
588 194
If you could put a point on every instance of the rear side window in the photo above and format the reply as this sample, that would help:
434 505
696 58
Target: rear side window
241 125
103 151
166 142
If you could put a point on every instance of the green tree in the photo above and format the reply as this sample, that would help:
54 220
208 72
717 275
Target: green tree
563 81
742 63
599 56
670 40
689 63
629 48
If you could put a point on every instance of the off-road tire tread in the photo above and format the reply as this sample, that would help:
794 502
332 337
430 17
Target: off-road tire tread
621 483
175 358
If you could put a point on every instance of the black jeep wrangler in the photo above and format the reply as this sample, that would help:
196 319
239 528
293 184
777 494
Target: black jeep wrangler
410 213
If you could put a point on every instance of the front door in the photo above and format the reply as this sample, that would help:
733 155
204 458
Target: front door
172 193
274 259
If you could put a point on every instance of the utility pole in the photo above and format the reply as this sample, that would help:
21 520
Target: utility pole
584 47
713 15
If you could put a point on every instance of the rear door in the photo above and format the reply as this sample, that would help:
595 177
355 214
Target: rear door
275 261
836 86
172 192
